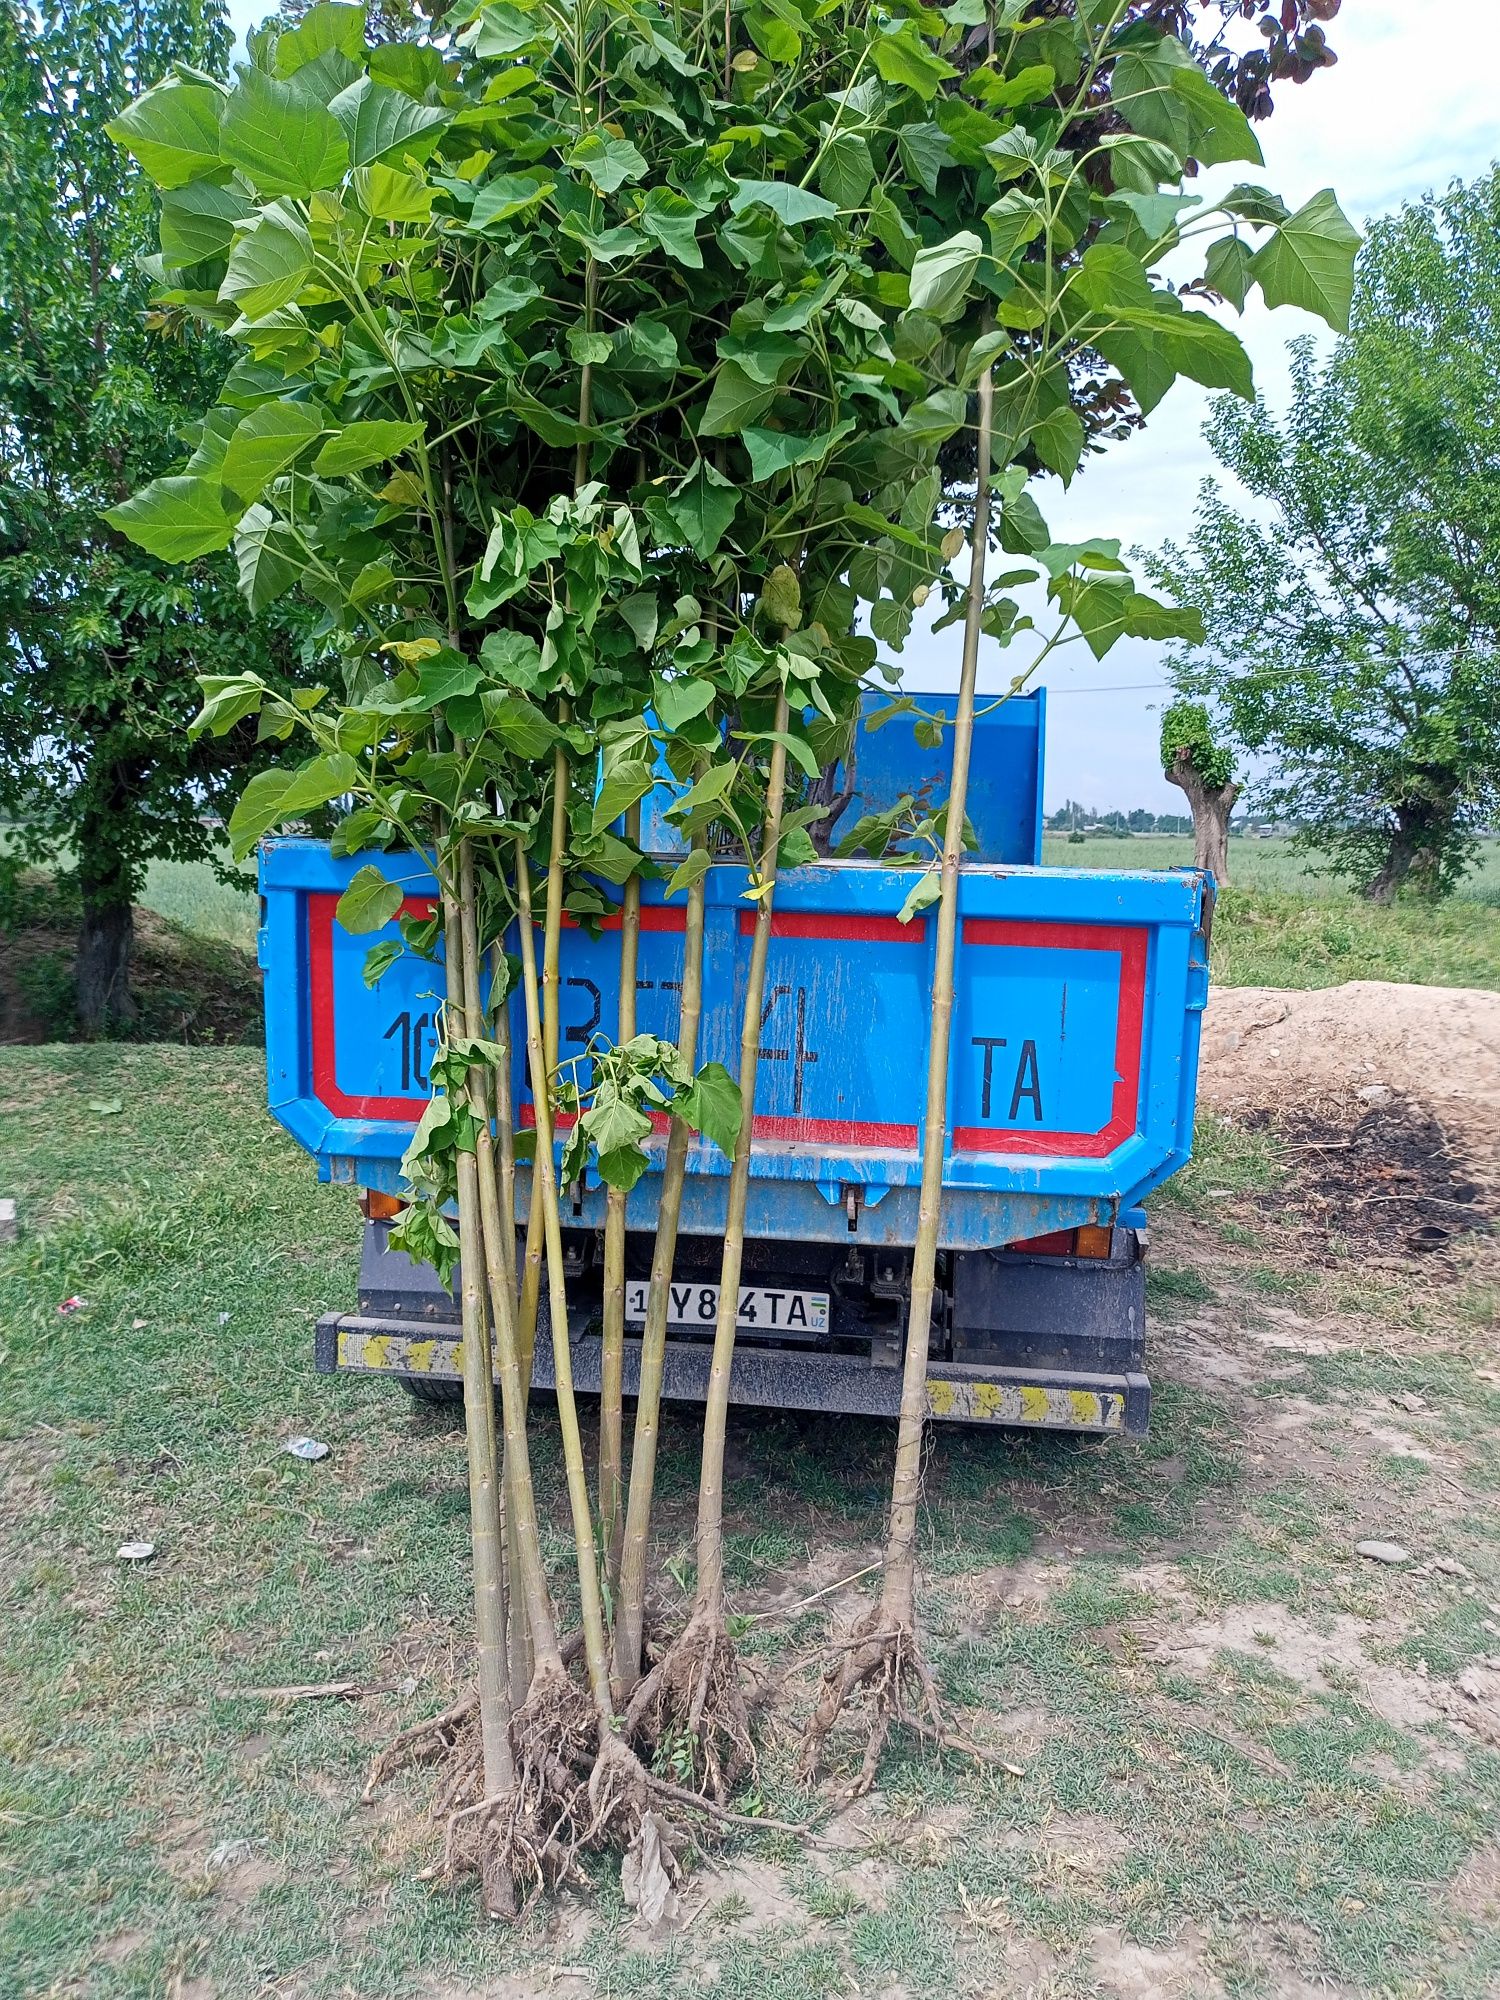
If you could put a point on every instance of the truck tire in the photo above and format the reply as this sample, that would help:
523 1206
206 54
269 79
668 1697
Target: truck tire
432 1389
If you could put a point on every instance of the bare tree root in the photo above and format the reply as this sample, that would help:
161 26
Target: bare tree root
689 1713
882 1661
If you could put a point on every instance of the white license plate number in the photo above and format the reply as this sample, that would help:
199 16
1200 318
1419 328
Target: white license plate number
763 1308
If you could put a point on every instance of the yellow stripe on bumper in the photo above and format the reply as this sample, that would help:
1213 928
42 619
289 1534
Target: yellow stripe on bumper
1025 1403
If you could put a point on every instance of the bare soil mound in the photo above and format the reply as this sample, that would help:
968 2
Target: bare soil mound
1340 1051
1387 1098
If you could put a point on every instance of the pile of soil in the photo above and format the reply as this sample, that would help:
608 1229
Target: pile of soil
1387 1099
189 989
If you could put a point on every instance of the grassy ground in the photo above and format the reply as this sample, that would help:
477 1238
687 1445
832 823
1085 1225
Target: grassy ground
1253 1764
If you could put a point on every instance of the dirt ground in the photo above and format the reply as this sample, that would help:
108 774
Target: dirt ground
1244 1675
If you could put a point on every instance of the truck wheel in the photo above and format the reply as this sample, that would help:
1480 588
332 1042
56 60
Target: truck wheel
432 1389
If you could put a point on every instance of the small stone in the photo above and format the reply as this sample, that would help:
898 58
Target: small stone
9 1227
1408 1399
1446 1566
136 1552
1382 1552
1374 1093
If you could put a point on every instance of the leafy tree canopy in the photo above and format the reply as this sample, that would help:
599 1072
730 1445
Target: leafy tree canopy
1353 621
100 640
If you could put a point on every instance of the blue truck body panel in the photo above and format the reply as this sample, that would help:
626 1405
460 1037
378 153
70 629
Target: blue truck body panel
1005 774
1078 998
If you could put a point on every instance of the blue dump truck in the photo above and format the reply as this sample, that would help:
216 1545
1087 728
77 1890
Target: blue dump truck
1078 1002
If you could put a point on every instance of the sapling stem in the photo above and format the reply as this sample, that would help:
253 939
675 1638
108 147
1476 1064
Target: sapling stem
544 1194
630 1602
479 1391
899 1590
612 1358
531 1282
710 1590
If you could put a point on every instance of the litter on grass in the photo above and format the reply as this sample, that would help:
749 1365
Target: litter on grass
309 1448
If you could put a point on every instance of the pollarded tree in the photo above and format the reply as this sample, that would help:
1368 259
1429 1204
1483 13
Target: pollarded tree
1204 769
1353 632
100 643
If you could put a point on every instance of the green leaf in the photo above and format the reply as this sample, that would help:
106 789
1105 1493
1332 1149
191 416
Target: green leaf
688 871
380 958
847 170
1309 261
522 727
801 753
609 162
272 797
943 273
923 893
507 31
267 557
1058 440
512 657
173 130
176 518
268 265
1028 86
391 196
1152 346
283 141
227 699
790 204
1161 92
359 446
1255 204
679 699
377 122
924 151
264 443
1227 269
507 195
1106 611
706 793
624 782
703 507
673 220
711 1105
902 57
198 221
369 903
777 451
737 400
324 26
1111 276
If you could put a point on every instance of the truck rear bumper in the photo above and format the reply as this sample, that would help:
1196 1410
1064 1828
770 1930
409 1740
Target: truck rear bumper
770 1378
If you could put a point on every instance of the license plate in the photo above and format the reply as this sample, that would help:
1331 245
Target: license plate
762 1307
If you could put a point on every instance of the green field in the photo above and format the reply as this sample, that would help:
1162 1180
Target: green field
1280 924
1244 1762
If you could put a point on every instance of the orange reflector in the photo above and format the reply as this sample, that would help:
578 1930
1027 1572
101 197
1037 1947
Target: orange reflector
1091 1240
377 1207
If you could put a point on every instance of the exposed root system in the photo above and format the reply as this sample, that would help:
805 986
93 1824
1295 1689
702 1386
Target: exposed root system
881 1660
689 1712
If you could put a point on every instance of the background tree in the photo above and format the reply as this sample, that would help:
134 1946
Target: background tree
1205 770
99 642
1353 621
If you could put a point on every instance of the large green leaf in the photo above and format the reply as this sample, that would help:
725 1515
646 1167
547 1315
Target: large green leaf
176 519
608 162
173 130
712 1105
359 446
787 202
1309 261
378 122
777 451
624 782
267 557
737 400
264 443
942 274
273 797
507 195
370 902
268 265
901 56
1106 611
673 220
198 222
847 170
521 726
285 142
703 507
1160 91
328 25
678 700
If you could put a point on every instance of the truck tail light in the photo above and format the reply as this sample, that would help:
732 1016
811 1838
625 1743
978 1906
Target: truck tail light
377 1207
1091 1240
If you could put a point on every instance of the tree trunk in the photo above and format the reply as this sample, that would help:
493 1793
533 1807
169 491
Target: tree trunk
106 881
1413 859
1211 806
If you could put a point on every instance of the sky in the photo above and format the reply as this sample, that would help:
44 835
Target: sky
1407 108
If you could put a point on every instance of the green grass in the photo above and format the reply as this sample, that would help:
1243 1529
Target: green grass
1241 1823
1263 865
189 893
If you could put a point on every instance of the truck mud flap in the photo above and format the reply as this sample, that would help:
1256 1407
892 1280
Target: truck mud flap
1039 1399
